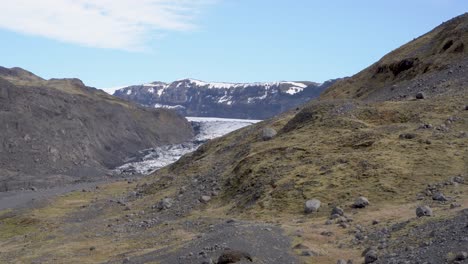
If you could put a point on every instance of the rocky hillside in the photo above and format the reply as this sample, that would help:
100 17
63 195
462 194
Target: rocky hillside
59 130
433 64
362 175
231 100
394 134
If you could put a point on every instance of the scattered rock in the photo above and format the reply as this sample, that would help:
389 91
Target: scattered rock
420 96
425 126
300 246
363 254
34 189
361 202
423 211
164 204
370 257
327 233
337 211
205 198
341 261
335 216
312 206
268 133
466 107
439 197
233 256
461 256
375 222
92 248
407 136
308 253
458 179
454 205
344 225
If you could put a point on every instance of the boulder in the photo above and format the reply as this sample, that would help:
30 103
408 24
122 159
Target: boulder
164 204
268 133
438 196
312 206
458 179
423 211
233 256
407 136
461 256
361 202
370 257
205 198
337 211
420 96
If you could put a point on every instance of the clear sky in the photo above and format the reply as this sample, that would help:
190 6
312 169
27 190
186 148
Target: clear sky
111 43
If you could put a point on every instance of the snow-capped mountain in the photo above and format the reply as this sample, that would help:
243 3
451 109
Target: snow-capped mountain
218 99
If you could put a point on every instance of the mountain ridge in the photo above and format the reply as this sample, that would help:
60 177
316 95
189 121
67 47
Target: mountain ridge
59 130
192 97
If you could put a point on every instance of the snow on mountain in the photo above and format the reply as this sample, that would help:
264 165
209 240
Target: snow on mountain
150 160
224 85
191 97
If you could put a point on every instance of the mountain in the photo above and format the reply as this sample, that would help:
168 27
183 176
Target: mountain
230 100
374 171
59 130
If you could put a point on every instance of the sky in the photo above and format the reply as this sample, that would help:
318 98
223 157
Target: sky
115 43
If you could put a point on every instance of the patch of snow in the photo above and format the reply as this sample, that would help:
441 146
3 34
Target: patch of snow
225 85
129 92
258 98
297 84
160 92
226 98
293 90
168 106
151 90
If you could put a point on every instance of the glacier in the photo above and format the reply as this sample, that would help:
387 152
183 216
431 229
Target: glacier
148 161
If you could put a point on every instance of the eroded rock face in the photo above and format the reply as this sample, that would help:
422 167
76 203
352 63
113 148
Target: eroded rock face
58 131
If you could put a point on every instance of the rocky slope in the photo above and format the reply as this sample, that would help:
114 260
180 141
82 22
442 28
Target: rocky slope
344 178
231 100
433 63
59 130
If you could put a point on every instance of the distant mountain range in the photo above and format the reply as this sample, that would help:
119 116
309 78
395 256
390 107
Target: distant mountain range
192 97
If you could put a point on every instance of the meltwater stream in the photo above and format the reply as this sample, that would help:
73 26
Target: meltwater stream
149 160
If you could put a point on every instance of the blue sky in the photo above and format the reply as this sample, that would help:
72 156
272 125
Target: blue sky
122 42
